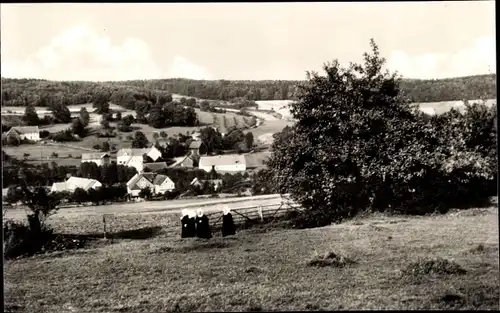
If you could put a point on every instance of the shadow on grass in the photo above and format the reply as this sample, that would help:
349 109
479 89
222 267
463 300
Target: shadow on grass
188 245
474 297
135 234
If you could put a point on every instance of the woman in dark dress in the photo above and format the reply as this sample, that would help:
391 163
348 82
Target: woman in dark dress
228 227
188 224
202 226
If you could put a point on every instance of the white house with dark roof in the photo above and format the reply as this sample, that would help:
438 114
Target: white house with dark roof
98 158
134 157
156 182
229 163
75 182
24 133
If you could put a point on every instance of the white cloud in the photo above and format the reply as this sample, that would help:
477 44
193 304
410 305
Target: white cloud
80 53
479 58
183 68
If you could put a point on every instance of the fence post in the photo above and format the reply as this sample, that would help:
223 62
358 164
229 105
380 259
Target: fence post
104 225
260 213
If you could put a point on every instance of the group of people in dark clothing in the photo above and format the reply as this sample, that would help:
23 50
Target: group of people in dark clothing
197 224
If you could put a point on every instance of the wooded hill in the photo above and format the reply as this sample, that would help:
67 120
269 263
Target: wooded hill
21 92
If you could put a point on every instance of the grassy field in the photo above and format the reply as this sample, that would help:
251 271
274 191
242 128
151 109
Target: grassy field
40 151
274 269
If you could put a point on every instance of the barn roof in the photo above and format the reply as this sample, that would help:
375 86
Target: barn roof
226 159
156 166
75 182
79 182
26 129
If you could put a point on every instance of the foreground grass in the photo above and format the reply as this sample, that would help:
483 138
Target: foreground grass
272 270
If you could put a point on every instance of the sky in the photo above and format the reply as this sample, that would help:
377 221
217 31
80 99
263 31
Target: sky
250 41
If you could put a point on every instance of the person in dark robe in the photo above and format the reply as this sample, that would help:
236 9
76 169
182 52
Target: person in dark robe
188 225
228 227
202 226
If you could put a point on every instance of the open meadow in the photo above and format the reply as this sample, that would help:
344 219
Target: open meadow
374 262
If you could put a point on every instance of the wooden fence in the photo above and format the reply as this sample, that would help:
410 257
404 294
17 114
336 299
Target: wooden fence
250 214
253 214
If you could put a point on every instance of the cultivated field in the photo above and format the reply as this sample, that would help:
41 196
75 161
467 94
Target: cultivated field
43 152
272 270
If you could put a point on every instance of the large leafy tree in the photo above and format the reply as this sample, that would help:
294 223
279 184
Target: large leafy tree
351 124
61 112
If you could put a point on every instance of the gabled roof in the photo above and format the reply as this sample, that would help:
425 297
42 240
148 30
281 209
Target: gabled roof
195 144
60 186
94 156
79 182
156 166
152 178
179 161
26 129
226 159
160 179
132 152
75 182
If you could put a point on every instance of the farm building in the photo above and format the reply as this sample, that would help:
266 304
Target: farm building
185 161
75 182
156 182
229 163
217 183
98 158
134 157
24 133
156 166
197 147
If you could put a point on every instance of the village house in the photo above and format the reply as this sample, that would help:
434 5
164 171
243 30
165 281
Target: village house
75 182
229 163
134 157
197 148
185 161
98 158
158 184
217 183
24 133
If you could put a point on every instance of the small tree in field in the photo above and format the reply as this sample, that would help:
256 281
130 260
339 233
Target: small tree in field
140 140
41 204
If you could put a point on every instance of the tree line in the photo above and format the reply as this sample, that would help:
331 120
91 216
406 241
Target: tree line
22 92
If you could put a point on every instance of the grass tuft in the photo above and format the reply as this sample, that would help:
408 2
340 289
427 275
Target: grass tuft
433 266
330 259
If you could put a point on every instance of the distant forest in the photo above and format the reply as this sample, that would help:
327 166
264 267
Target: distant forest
22 92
